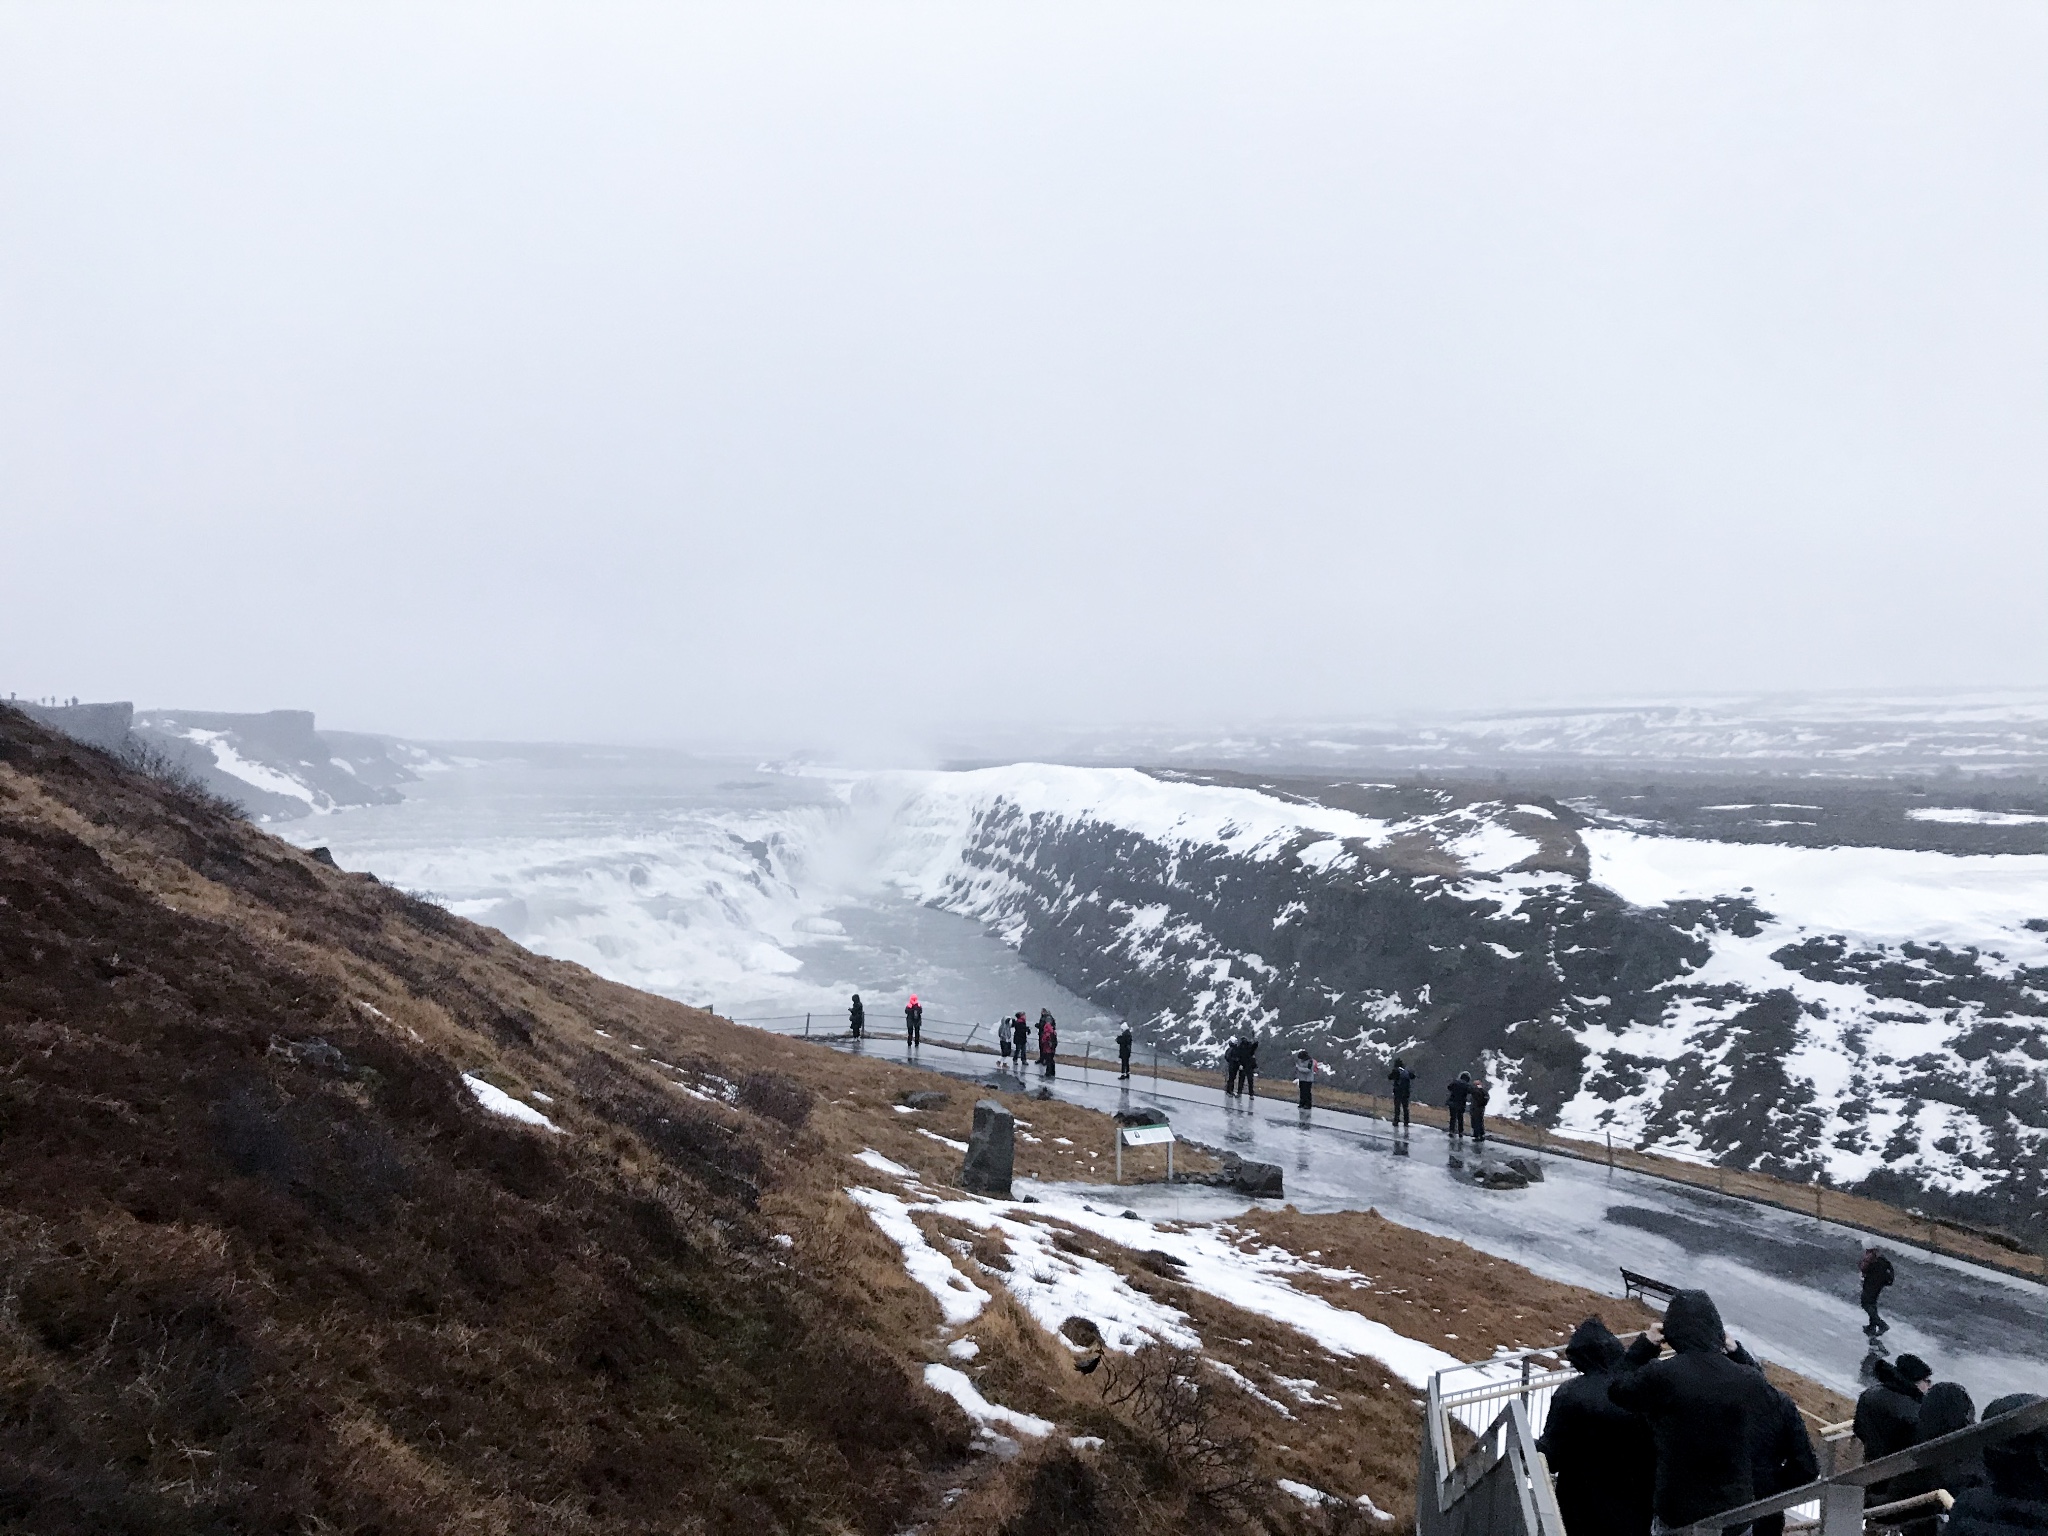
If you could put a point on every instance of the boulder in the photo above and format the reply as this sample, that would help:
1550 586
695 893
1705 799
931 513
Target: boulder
1250 1178
1501 1178
991 1151
1141 1117
1528 1167
930 1098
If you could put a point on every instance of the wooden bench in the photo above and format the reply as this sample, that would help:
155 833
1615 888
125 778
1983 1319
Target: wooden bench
1633 1284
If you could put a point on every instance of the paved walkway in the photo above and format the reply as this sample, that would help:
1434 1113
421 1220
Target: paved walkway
1785 1283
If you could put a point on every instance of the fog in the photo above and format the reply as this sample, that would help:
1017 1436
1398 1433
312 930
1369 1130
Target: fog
774 373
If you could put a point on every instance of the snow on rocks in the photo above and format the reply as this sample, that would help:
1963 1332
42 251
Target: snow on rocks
497 1101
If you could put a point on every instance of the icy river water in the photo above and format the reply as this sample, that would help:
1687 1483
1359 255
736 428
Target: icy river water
762 894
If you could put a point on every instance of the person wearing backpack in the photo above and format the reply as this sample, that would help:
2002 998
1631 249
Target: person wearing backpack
1877 1273
857 1017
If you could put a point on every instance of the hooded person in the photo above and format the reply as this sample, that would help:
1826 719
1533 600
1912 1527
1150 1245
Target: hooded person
1020 1036
913 1020
1475 1106
1781 1456
1123 1051
1454 1100
1233 1064
1888 1413
2013 1501
857 1017
1603 1455
1706 1412
1945 1409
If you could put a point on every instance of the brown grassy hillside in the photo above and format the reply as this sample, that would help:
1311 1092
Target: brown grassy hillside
267 1266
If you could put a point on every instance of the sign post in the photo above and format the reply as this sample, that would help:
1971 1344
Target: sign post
1144 1136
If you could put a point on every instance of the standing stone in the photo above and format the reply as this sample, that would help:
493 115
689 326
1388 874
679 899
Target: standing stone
991 1150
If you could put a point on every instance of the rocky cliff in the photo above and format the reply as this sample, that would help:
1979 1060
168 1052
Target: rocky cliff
1873 1016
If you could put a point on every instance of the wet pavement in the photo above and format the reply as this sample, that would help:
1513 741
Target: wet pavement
1785 1283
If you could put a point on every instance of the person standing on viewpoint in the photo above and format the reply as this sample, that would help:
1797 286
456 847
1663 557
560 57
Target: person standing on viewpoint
1404 1082
1048 1042
1877 1273
857 1017
913 1021
1248 1067
1454 1101
1305 1078
1003 1041
1020 1035
1475 1103
1123 1051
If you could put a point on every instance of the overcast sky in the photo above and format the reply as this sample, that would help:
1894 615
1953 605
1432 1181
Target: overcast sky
689 371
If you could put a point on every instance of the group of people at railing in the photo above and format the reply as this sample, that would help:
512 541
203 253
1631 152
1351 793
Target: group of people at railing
1642 1443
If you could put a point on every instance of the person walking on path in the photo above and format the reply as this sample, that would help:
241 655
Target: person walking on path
857 1017
913 1021
1123 1052
1602 1455
1876 1269
1305 1078
1454 1101
1020 1035
1711 1418
1404 1083
1475 1105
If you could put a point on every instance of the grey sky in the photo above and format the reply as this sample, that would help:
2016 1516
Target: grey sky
654 373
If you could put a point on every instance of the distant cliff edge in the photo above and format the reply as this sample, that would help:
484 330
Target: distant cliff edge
275 765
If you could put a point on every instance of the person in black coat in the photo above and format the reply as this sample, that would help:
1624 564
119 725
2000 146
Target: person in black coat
1603 1456
1781 1458
1707 1414
1454 1101
1475 1104
2014 1501
1945 1409
1233 1065
1020 1034
857 1016
1877 1273
1403 1080
1123 1051
1888 1414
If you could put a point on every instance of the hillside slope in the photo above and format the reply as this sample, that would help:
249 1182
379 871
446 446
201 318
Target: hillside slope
268 1261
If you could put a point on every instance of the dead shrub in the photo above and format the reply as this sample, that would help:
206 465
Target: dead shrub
777 1096
1060 1493
1185 1421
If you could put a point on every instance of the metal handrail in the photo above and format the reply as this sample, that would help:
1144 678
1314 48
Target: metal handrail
1841 1496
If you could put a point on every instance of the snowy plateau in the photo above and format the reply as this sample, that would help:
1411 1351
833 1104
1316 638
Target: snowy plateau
1871 1015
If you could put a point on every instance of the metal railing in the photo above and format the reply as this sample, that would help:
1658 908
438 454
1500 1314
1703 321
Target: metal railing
1501 1486
1841 1498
